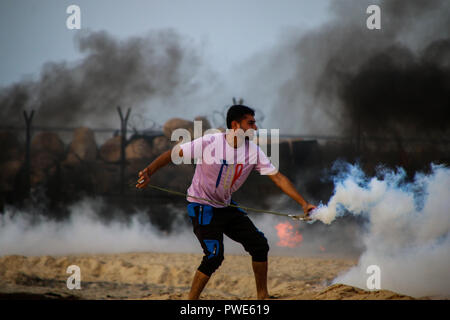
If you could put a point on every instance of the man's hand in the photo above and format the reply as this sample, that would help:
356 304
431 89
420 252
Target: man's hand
144 179
144 175
308 208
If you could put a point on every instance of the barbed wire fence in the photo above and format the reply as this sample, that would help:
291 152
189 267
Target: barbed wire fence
138 125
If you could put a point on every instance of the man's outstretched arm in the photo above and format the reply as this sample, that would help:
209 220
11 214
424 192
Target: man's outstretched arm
158 163
287 187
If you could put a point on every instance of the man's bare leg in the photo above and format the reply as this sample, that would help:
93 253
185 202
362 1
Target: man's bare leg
199 282
260 271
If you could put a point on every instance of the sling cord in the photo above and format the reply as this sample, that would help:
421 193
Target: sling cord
295 217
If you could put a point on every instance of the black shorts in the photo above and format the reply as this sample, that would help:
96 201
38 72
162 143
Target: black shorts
210 224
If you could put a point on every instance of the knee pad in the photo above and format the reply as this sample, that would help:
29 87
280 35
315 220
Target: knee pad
209 265
213 257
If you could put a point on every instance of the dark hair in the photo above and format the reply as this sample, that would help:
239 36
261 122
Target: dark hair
237 113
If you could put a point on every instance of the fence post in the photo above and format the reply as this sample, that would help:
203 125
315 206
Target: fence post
28 119
123 129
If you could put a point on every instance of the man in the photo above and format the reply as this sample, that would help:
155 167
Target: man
216 177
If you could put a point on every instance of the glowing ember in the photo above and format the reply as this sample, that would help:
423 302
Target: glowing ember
288 236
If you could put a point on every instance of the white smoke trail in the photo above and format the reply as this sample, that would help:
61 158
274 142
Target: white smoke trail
85 232
407 230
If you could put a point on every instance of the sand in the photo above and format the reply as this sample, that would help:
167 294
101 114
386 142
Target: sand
169 275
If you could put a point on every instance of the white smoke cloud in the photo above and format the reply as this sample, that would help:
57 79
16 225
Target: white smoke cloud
85 232
408 228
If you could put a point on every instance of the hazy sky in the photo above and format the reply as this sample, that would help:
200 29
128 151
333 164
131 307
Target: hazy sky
33 32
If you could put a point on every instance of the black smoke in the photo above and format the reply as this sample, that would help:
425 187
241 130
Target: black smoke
112 72
400 93
393 82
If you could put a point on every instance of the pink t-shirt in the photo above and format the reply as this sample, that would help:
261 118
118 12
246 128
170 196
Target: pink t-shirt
222 169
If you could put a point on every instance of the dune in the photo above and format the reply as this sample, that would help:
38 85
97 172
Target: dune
168 276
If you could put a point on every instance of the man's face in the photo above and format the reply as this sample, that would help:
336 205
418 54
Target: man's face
247 127
248 122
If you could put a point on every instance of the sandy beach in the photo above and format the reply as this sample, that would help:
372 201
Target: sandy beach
168 276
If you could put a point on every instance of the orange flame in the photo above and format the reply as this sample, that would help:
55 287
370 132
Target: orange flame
288 238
